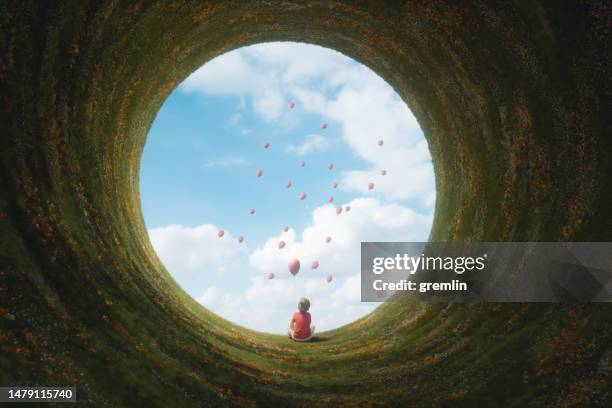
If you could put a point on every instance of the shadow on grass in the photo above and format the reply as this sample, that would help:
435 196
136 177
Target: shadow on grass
314 340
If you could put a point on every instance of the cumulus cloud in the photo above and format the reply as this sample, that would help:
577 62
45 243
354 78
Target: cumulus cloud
346 93
270 302
230 74
194 253
368 220
204 264
237 73
312 143
364 109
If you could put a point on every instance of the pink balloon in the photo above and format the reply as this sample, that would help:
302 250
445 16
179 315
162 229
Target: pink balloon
294 266
381 142
328 239
370 186
334 185
240 239
330 199
266 145
289 184
347 208
330 166
303 196
220 233
338 210
324 125
270 275
281 244
285 228
314 264
383 172
329 278
302 163
291 105
251 211
259 173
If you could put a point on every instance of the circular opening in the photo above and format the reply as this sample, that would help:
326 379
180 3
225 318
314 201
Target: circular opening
288 150
514 102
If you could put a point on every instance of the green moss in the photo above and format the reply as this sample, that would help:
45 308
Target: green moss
514 102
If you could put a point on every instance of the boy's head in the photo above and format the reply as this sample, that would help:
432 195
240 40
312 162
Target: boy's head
303 305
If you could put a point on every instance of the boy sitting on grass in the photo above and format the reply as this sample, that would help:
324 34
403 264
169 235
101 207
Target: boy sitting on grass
300 328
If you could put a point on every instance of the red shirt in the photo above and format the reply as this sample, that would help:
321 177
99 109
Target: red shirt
301 325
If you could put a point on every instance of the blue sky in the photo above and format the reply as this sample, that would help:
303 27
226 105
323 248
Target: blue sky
199 174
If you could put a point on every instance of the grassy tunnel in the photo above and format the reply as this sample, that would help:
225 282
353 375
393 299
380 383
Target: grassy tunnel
514 100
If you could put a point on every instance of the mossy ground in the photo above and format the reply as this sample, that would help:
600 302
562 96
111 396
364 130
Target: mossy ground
513 99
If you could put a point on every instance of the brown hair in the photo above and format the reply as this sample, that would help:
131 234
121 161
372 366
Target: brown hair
303 305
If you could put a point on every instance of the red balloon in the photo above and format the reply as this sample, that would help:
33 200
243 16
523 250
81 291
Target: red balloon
370 186
328 239
289 184
302 163
347 208
294 266
266 145
338 210
330 199
329 278
334 185
383 172
285 228
381 142
270 275
259 173
281 244
303 196
314 265
220 233
240 239
324 125
330 165
251 211
291 105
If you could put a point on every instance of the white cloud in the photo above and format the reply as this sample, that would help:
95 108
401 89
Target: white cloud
230 74
312 143
333 304
368 220
365 108
327 83
192 253
235 121
234 73
210 295
242 293
350 290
